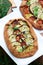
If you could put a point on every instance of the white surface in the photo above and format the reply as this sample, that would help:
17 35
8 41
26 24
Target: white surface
3 21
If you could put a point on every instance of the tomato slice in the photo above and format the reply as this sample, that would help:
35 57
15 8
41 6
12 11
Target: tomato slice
41 2
26 9
23 43
40 21
18 38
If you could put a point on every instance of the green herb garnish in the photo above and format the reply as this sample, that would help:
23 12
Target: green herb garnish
35 11
19 49
28 3
15 28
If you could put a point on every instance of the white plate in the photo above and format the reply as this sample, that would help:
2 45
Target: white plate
3 21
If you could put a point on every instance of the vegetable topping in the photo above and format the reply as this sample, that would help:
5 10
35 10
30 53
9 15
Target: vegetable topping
36 10
20 36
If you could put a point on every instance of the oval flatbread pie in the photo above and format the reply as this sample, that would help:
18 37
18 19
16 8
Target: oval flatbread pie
32 10
20 38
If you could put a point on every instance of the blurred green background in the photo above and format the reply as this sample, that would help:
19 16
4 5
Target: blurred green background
4 7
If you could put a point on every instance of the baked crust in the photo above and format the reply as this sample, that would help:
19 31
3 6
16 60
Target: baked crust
23 8
13 50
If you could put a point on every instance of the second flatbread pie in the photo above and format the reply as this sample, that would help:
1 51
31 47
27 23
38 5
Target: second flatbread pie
32 10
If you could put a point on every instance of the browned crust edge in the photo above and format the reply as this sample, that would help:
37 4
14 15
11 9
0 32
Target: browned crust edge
12 49
39 27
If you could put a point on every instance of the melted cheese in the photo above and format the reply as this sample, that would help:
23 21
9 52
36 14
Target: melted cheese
28 49
41 16
24 28
16 43
12 38
28 35
10 31
29 41
33 1
22 23
28 16
18 26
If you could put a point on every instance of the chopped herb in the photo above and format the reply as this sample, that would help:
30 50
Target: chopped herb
19 49
15 28
35 11
28 3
